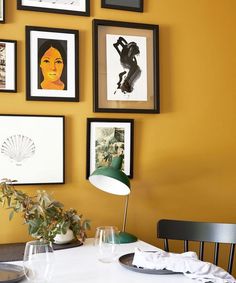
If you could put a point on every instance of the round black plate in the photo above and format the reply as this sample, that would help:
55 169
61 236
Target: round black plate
10 273
126 261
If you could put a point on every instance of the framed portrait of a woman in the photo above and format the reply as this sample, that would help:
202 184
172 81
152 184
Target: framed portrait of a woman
52 64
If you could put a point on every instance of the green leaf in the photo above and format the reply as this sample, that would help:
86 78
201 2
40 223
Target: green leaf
11 215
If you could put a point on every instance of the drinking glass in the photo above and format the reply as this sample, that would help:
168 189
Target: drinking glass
38 261
106 243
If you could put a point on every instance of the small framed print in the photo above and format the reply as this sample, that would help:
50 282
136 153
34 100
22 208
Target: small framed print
2 11
8 59
52 64
107 138
32 149
126 67
131 5
76 7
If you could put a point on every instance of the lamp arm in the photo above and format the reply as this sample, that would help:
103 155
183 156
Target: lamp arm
125 213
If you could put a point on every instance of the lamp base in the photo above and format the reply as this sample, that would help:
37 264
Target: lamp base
126 238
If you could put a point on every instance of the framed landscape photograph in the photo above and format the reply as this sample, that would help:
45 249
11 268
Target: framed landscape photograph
8 59
131 5
32 149
2 11
107 138
76 7
52 63
126 67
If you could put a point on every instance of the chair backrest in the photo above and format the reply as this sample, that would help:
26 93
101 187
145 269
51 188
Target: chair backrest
202 232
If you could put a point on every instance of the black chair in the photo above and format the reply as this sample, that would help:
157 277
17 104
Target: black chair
201 232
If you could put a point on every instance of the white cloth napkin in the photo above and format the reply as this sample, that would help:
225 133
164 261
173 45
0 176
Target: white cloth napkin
187 263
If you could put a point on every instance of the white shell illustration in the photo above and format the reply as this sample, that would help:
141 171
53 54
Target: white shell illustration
18 148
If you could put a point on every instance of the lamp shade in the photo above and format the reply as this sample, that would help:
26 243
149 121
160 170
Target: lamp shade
111 179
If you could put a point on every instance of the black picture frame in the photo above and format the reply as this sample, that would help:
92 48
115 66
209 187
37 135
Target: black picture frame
131 5
112 95
32 149
101 129
2 11
65 42
55 8
8 65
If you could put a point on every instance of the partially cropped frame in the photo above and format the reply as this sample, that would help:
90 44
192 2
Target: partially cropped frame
52 64
2 11
126 67
8 62
32 149
76 7
107 138
131 5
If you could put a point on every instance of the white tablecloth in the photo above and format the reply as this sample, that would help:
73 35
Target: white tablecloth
80 265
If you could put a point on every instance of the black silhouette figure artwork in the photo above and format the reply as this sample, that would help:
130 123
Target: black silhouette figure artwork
127 52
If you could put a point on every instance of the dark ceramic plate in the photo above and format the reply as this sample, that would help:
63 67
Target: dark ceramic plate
10 273
126 261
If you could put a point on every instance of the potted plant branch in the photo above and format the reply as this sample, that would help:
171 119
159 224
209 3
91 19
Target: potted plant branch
44 216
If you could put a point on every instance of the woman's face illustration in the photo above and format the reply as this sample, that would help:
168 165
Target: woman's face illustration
51 65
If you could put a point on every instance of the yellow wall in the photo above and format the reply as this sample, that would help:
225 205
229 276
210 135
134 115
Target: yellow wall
185 158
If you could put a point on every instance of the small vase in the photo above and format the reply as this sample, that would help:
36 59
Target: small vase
64 238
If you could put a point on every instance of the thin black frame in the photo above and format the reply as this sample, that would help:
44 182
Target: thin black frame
97 23
28 30
109 120
63 145
14 42
21 6
2 21
122 7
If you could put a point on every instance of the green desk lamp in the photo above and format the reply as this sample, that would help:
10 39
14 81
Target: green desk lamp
112 180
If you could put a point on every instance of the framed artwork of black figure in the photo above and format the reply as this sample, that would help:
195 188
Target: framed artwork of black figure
126 67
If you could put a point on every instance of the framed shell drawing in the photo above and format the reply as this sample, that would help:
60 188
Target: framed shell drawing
32 149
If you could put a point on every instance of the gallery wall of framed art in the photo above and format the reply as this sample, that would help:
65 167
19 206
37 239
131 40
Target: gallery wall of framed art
184 142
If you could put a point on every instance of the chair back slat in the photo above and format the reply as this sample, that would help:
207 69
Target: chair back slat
216 253
202 232
201 250
231 258
185 246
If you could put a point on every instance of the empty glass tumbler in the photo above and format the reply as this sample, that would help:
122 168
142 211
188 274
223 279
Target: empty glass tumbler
107 243
38 261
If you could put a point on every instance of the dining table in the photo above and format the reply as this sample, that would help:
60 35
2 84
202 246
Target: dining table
80 265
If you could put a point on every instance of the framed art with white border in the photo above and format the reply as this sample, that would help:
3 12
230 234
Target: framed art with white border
52 64
8 59
131 5
2 11
107 138
126 67
76 7
32 149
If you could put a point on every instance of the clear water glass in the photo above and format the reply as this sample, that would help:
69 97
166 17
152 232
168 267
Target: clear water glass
38 261
107 242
